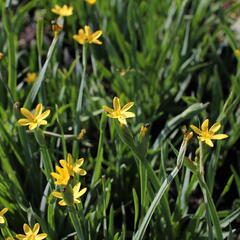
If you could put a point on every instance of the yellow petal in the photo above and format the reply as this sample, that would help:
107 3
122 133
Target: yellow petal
25 112
1 220
76 201
32 126
96 34
128 115
81 172
127 106
96 42
24 122
38 110
215 127
219 136
79 39
63 163
41 236
21 236
79 194
55 175
195 129
3 211
108 109
62 203
116 104
43 122
122 120
57 195
79 162
76 188
81 32
44 115
87 30
69 159
26 229
209 142
36 228
204 126
113 115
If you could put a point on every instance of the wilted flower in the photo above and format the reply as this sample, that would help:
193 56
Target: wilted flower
86 36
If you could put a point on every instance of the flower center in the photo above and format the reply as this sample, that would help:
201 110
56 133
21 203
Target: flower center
207 134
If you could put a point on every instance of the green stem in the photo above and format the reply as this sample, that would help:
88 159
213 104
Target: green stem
211 207
80 97
142 229
201 167
12 64
45 154
73 216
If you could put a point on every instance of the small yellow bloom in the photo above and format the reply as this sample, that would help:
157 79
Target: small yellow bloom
91 1
35 119
62 176
73 168
31 234
237 52
9 238
64 11
86 36
120 113
77 193
206 135
2 212
31 77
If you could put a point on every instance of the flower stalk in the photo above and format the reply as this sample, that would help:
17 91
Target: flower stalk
80 97
45 154
75 221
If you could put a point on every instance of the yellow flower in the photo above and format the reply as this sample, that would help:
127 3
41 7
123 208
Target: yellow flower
9 238
31 234
91 1
77 193
206 135
31 77
35 119
86 36
73 168
120 113
62 176
62 11
2 212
